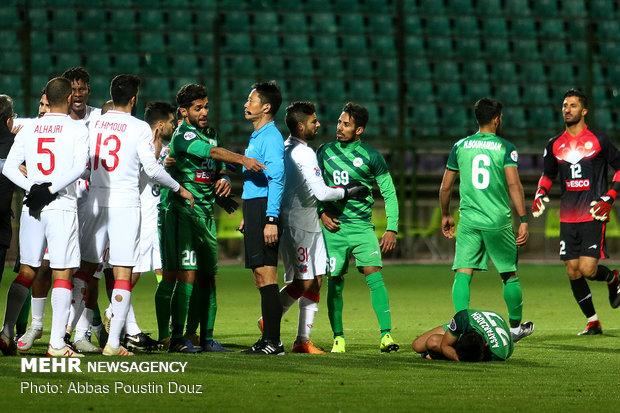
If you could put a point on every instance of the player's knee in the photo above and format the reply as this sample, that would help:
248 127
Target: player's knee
588 271
508 276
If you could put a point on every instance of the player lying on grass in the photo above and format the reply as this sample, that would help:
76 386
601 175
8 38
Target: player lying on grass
472 335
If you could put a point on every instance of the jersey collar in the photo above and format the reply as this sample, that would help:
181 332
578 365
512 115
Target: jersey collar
349 145
299 141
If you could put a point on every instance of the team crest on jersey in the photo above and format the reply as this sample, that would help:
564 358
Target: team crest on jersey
514 156
452 325
357 162
317 171
303 268
189 136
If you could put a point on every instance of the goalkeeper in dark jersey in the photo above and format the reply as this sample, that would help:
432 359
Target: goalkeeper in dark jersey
581 157
348 229
472 335
188 236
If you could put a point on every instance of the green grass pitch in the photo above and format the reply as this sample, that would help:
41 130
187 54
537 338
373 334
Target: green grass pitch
552 370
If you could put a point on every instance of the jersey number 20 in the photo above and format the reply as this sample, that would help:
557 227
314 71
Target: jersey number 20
111 152
479 175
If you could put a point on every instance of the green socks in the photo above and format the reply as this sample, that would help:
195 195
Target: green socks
514 301
202 310
207 322
163 295
460 291
196 304
380 301
335 304
179 306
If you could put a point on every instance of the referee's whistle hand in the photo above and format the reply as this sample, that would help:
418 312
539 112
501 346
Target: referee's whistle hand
271 234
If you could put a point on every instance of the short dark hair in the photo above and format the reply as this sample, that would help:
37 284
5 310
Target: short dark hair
298 112
158 111
189 93
486 110
470 347
6 111
76 73
57 91
123 88
269 92
358 113
583 99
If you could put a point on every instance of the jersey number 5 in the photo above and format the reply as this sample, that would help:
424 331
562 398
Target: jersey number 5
41 149
111 152
479 175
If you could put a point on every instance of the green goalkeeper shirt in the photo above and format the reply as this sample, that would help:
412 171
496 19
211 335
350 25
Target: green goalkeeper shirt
342 163
194 169
480 160
490 325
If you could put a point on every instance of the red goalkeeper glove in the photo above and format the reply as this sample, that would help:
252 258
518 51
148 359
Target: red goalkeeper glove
601 207
541 198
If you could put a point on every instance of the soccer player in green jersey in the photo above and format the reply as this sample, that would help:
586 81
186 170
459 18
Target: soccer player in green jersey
489 177
348 229
188 236
474 335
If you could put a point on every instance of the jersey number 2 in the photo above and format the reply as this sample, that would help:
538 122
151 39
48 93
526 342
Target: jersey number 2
41 149
479 175
111 152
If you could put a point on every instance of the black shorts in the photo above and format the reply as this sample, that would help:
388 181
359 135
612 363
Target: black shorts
257 254
582 239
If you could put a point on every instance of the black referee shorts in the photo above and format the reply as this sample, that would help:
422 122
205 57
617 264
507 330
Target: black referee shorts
257 254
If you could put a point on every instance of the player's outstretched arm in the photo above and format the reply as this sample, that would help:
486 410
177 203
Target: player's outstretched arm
445 193
515 189
227 156
447 346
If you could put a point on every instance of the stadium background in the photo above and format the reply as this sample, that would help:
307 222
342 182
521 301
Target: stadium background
418 65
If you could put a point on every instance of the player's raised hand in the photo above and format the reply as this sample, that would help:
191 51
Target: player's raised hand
252 164
222 188
523 234
540 199
388 242
185 194
601 207
330 222
447 226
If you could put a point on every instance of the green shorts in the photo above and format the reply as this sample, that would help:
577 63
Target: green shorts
188 242
358 239
474 247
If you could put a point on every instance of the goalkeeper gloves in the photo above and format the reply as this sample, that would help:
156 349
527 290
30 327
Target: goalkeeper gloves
600 208
227 203
541 198
39 196
356 191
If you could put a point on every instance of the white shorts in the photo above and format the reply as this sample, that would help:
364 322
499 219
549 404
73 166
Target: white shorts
303 254
118 227
56 228
150 255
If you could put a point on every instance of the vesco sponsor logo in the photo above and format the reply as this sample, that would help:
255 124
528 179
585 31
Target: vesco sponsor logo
204 176
577 184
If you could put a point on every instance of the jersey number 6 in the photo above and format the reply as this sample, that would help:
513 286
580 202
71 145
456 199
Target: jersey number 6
111 152
480 176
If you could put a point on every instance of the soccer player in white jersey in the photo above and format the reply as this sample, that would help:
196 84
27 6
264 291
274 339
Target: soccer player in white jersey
55 149
44 107
80 92
160 117
119 144
302 247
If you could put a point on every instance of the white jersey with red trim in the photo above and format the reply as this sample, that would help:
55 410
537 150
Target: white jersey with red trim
119 143
55 149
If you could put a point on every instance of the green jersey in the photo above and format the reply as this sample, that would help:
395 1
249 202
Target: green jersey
488 324
194 168
480 159
342 163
